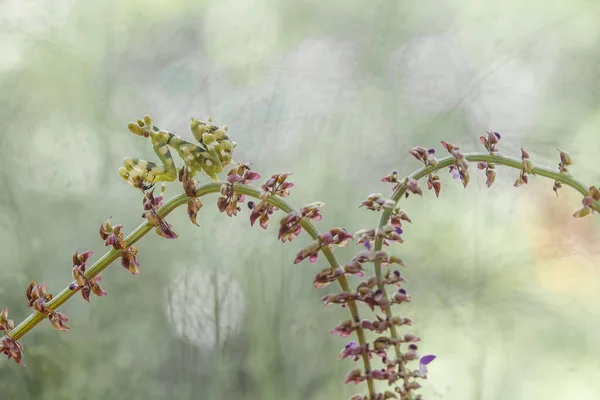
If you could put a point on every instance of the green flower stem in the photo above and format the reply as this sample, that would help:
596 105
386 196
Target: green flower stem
495 159
36 317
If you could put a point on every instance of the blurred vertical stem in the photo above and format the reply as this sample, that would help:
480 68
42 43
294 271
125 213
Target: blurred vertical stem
218 351
217 308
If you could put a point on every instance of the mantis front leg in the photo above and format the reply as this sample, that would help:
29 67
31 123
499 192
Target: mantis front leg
140 173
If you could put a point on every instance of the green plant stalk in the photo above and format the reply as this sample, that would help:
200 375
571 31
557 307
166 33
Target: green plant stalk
495 159
36 317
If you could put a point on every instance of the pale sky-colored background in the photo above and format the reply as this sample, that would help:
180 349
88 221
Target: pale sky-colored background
505 283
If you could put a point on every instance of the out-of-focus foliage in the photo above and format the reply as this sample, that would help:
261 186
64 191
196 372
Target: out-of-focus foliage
337 92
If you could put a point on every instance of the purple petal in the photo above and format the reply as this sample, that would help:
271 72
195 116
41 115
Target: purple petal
251 175
427 359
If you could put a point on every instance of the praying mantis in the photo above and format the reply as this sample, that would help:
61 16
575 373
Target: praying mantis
211 154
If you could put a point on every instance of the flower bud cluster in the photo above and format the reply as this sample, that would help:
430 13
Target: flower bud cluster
290 226
565 160
392 178
228 202
190 187
588 201
113 236
276 185
151 206
37 298
376 202
526 169
490 172
10 347
82 283
390 372
379 325
412 186
427 157
335 236
460 169
490 141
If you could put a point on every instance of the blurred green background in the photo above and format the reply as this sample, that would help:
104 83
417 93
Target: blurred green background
505 283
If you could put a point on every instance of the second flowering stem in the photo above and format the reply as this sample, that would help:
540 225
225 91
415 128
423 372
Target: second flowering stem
495 159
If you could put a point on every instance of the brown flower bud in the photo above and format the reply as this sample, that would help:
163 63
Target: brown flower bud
163 228
465 177
595 193
583 212
410 338
527 166
356 397
447 146
354 269
58 321
420 153
393 177
437 187
565 159
129 261
557 185
490 177
413 186
6 324
345 328
12 349
355 376
398 321
326 277
194 205
401 296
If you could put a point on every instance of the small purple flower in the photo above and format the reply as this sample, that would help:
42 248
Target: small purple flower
425 360
352 349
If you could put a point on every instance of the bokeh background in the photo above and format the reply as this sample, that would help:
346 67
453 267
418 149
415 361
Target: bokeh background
505 283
